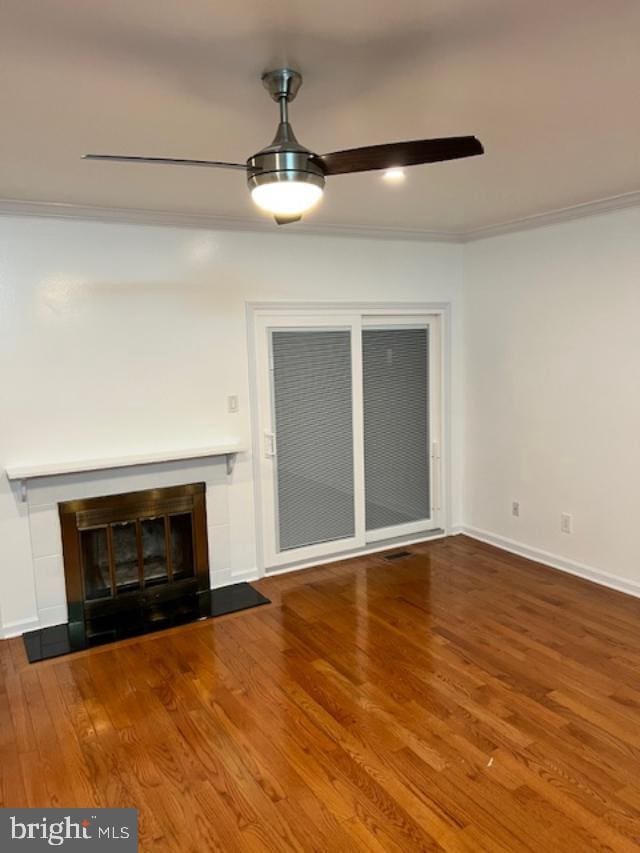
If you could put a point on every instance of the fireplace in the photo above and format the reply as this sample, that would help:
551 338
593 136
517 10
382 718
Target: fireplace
135 562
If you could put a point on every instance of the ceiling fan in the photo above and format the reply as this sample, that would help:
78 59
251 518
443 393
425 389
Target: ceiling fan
286 179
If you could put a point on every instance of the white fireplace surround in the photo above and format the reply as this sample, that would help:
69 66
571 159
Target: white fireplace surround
41 495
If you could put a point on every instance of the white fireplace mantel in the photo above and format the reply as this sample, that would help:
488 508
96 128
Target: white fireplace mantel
29 471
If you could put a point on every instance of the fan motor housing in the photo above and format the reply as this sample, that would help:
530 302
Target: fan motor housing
284 160
269 167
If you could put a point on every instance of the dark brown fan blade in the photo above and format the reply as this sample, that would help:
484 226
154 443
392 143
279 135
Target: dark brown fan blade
167 161
397 154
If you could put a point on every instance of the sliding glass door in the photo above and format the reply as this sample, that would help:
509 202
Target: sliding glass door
349 419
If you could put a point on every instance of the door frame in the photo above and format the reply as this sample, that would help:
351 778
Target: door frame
379 313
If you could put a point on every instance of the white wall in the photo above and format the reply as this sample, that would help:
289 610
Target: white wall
553 391
117 338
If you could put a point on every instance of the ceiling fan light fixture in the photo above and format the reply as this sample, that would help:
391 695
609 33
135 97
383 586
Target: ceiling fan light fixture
286 194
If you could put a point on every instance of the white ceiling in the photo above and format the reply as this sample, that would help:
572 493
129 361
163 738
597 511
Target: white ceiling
551 88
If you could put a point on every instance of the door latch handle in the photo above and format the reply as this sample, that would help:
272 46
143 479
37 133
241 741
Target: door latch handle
269 444
437 475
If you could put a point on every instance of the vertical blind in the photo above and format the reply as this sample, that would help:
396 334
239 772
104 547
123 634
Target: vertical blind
396 426
313 413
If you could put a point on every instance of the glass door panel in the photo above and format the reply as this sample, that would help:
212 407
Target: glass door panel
310 452
154 550
125 555
313 414
395 363
181 529
95 563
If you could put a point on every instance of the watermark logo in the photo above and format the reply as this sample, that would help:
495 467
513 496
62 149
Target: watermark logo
36 830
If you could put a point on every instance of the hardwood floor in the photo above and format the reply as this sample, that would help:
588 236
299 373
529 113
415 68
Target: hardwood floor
457 699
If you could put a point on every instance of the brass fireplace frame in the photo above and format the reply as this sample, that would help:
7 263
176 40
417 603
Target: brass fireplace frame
147 604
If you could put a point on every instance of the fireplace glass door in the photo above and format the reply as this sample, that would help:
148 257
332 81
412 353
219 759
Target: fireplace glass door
132 551
128 556
95 562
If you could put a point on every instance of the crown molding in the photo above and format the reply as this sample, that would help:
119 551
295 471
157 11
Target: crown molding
212 222
554 217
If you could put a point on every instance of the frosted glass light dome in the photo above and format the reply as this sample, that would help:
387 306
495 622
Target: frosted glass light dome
286 198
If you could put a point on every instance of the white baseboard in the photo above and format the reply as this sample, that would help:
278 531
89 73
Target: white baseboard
48 617
16 629
246 576
553 561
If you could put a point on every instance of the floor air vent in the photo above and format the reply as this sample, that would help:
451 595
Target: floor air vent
398 555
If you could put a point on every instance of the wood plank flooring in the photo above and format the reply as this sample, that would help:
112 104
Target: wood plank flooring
458 699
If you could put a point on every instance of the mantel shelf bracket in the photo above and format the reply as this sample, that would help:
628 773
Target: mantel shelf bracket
23 491
231 462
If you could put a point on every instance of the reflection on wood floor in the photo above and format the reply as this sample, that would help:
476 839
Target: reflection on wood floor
460 698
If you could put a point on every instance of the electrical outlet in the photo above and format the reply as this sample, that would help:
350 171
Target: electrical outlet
232 403
515 509
566 522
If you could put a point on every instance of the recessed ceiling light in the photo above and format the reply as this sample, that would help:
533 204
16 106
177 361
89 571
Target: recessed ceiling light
394 176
